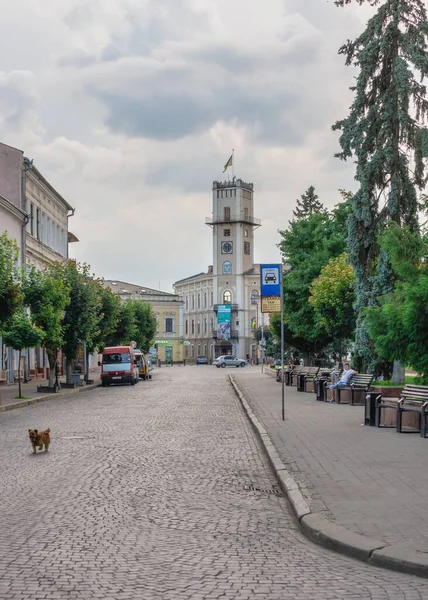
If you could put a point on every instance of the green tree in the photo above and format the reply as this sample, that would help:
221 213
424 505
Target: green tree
108 310
384 133
10 289
81 321
333 298
308 204
21 333
126 330
273 343
307 245
399 325
47 297
145 324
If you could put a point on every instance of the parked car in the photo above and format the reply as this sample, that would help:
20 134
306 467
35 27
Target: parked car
201 360
229 361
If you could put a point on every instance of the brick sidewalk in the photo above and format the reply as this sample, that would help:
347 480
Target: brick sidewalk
371 481
29 390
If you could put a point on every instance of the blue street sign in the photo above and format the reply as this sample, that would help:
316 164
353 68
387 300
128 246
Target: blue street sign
270 280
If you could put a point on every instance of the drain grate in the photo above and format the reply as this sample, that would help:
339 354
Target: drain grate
273 491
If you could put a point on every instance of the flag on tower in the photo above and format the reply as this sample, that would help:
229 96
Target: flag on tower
229 163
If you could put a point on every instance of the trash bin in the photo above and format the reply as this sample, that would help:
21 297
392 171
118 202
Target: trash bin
370 409
75 378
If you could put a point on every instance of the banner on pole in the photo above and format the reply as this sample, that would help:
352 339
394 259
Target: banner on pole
223 321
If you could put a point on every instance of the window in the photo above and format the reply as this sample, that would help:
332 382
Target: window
218 194
187 303
199 327
169 325
38 223
186 327
227 233
212 298
226 193
246 247
227 213
199 300
254 296
227 297
193 350
32 219
205 300
193 300
245 232
193 326
212 324
246 214
205 325
199 350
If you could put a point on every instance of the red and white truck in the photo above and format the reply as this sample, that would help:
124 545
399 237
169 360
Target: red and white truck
119 365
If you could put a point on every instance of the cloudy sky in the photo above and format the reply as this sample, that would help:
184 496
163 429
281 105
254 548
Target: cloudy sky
130 108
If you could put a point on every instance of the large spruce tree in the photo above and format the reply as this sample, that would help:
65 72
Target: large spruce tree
385 135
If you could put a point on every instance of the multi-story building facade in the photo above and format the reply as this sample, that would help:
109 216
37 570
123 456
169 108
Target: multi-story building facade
168 309
36 216
233 280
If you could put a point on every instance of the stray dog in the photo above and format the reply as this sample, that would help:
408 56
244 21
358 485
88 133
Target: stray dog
39 439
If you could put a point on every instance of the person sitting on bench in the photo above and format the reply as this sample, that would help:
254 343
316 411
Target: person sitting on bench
343 381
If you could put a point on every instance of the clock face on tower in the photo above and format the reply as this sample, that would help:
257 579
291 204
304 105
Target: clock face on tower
226 247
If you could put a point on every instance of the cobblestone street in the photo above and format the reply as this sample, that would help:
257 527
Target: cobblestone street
160 491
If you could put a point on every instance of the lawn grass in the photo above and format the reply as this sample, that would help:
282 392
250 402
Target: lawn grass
408 380
22 398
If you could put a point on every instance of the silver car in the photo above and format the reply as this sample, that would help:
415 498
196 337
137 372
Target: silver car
229 361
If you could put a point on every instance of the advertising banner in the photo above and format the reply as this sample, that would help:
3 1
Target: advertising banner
223 321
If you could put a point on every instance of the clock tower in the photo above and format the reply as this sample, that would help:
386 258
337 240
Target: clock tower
233 224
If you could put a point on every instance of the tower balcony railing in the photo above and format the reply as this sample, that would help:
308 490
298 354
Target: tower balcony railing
233 307
222 220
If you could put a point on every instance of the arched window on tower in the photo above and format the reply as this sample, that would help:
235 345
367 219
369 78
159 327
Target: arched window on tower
227 297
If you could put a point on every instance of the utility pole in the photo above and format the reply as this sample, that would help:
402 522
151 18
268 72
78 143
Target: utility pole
282 345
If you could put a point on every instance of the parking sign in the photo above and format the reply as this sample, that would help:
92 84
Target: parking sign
270 280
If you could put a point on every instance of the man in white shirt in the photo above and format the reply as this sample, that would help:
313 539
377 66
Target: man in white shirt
343 381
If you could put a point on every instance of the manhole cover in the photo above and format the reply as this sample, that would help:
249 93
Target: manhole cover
273 491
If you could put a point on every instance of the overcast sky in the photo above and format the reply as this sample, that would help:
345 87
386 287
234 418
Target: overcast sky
130 108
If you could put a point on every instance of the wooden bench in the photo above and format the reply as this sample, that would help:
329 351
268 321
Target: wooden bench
306 376
413 399
358 384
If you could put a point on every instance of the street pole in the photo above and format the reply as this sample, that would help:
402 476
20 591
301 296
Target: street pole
263 340
282 347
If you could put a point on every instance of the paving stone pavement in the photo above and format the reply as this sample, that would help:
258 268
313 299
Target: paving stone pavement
366 479
160 491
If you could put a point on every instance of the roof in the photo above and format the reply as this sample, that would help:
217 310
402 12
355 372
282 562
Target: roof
203 274
35 170
131 288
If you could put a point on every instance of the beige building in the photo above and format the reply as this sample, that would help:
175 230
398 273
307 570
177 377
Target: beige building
168 309
36 215
229 290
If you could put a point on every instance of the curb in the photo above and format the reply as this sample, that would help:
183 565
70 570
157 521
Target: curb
65 394
316 527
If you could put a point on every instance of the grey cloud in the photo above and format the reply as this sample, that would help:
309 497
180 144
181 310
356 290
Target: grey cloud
77 59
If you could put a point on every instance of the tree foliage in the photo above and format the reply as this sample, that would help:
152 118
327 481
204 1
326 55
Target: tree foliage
333 298
10 289
399 325
145 324
108 310
47 296
21 333
307 245
383 132
125 331
308 204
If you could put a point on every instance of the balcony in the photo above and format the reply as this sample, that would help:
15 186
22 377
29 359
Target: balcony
233 307
222 220
234 334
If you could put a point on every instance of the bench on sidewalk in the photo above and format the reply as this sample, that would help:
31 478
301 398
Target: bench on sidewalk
413 399
306 376
295 373
357 387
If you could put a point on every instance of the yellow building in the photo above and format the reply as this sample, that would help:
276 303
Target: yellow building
168 309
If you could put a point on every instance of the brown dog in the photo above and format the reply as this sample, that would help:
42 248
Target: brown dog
39 439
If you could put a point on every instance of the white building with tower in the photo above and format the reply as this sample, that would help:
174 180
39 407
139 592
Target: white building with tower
232 281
